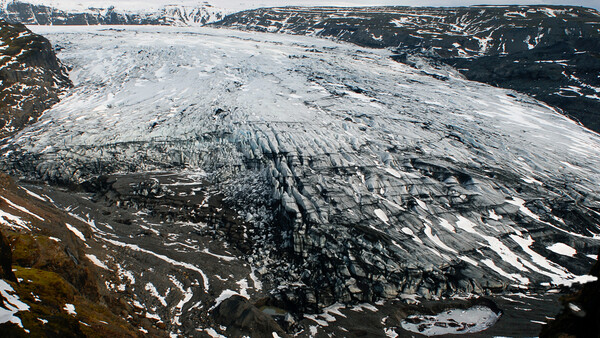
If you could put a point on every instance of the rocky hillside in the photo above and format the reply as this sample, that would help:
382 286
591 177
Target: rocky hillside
31 77
168 15
549 52
50 286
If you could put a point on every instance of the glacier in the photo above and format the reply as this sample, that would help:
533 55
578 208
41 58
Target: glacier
371 178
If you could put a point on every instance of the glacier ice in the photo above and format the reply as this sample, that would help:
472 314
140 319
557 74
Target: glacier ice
386 179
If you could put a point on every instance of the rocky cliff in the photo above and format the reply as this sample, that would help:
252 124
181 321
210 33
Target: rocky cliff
578 317
31 77
50 286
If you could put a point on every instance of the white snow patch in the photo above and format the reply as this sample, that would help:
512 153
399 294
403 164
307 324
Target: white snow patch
562 249
466 225
214 334
382 216
493 215
75 231
475 319
512 276
558 274
223 296
97 262
255 281
390 332
446 225
421 204
31 193
243 283
21 209
468 260
225 258
11 306
436 240
408 231
393 172
152 289
70 308
12 221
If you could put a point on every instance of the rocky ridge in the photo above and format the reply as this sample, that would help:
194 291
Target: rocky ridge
31 77
26 13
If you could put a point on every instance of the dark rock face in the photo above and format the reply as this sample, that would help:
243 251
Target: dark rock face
31 77
26 13
548 52
6 260
242 318
579 318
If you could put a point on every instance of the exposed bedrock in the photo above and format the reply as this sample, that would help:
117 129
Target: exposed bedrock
31 77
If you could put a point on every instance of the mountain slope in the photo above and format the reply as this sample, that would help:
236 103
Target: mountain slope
56 285
31 78
31 14
549 52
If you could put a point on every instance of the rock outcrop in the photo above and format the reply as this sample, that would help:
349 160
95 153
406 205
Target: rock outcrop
56 284
579 317
31 77
242 318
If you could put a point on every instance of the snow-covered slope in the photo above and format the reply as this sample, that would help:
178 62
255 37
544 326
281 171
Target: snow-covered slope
381 180
549 52
77 14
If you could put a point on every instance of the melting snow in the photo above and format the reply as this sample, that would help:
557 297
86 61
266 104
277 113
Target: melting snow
224 295
70 308
20 208
75 231
475 319
562 249
152 289
11 305
12 221
225 258
97 262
